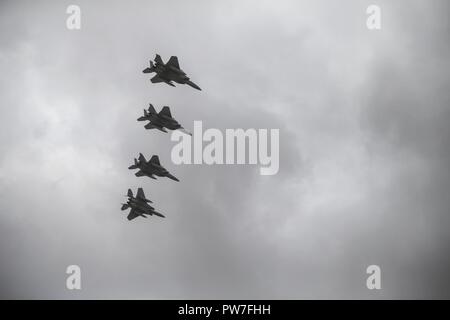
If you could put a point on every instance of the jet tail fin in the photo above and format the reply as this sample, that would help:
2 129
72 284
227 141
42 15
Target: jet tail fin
124 206
158 59
130 193
141 158
151 109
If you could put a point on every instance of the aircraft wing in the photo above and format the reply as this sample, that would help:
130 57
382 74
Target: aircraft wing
132 215
155 160
140 194
165 111
173 61
139 174
156 79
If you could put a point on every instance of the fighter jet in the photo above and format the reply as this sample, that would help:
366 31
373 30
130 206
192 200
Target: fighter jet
139 205
150 168
160 120
168 72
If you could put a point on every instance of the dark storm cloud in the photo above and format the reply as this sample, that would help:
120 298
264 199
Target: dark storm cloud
362 175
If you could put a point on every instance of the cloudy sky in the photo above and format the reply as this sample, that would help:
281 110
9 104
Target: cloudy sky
363 118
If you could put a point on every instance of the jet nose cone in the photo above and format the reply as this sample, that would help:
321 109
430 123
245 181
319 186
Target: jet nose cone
193 85
172 177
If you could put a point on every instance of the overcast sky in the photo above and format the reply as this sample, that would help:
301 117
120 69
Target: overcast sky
364 152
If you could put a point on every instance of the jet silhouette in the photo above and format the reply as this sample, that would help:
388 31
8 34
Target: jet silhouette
160 120
168 72
139 205
150 168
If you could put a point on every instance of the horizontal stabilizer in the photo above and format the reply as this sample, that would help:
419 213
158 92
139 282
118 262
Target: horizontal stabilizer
142 158
150 69
140 194
158 59
134 166
144 117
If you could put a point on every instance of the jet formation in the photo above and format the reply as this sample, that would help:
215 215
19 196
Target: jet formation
168 72
139 205
165 72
